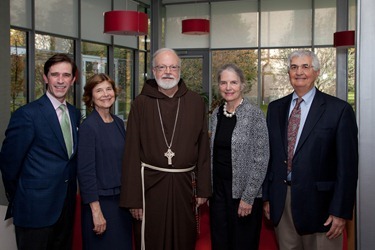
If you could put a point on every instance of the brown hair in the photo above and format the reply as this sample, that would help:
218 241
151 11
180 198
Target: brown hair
60 58
90 85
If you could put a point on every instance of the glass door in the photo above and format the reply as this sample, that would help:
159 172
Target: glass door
195 71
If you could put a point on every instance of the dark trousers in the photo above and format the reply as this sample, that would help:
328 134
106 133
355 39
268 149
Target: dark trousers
228 231
56 237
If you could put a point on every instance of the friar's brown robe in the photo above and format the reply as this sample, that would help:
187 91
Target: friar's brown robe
169 218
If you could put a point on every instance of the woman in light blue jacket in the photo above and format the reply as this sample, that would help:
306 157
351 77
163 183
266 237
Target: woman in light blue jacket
240 153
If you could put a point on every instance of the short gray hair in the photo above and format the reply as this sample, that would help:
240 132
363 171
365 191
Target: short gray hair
309 53
162 50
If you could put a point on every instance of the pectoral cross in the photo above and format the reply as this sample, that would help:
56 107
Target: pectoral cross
169 154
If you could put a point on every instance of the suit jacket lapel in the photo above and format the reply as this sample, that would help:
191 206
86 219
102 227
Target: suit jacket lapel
315 113
283 118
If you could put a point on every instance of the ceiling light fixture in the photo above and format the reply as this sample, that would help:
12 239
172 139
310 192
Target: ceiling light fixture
195 26
125 22
344 39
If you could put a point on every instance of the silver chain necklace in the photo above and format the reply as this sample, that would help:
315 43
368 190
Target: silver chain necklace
169 154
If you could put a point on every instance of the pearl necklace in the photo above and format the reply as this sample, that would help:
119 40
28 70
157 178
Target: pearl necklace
226 113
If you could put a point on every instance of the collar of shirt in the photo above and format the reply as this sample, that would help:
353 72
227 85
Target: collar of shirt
56 104
307 100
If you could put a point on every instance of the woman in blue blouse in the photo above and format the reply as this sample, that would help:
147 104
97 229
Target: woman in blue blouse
100 150
239 148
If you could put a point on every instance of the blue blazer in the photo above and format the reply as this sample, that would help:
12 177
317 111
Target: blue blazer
35 166
99 173
325 163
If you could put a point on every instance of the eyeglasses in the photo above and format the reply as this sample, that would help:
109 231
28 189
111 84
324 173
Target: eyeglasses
162 68
303 67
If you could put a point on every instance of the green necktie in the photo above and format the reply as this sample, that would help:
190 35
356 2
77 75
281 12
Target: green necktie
65 127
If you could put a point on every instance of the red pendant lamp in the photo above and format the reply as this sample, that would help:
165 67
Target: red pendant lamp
344 39
195 26
125 22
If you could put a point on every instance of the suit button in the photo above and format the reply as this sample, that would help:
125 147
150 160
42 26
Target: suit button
285 162
289 183
66 181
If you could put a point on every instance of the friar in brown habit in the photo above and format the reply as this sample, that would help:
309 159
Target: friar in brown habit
166 167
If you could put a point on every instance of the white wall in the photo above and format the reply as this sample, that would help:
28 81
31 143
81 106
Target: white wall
366 121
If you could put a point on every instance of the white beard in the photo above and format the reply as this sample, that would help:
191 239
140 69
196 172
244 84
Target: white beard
167 84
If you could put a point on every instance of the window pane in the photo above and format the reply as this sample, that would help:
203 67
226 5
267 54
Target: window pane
127 41
286 23
351 77
18 67
191 72
92 20
142 77
326 81
325 21
20 13
173 26
352 14
240 19
144 41
57 17
244 59
45 47
124 81
94 61
274 74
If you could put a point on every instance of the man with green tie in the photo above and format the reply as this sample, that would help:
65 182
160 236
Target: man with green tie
38 162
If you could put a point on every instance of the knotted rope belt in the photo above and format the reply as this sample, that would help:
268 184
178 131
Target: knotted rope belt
169 170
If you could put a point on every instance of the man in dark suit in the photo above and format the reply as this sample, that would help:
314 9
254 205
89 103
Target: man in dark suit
310 200
38 162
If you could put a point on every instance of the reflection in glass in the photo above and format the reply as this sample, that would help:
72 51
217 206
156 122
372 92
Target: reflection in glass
18 69
94 61
45 47
144 41
142 77
351 77
191 73
124 80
